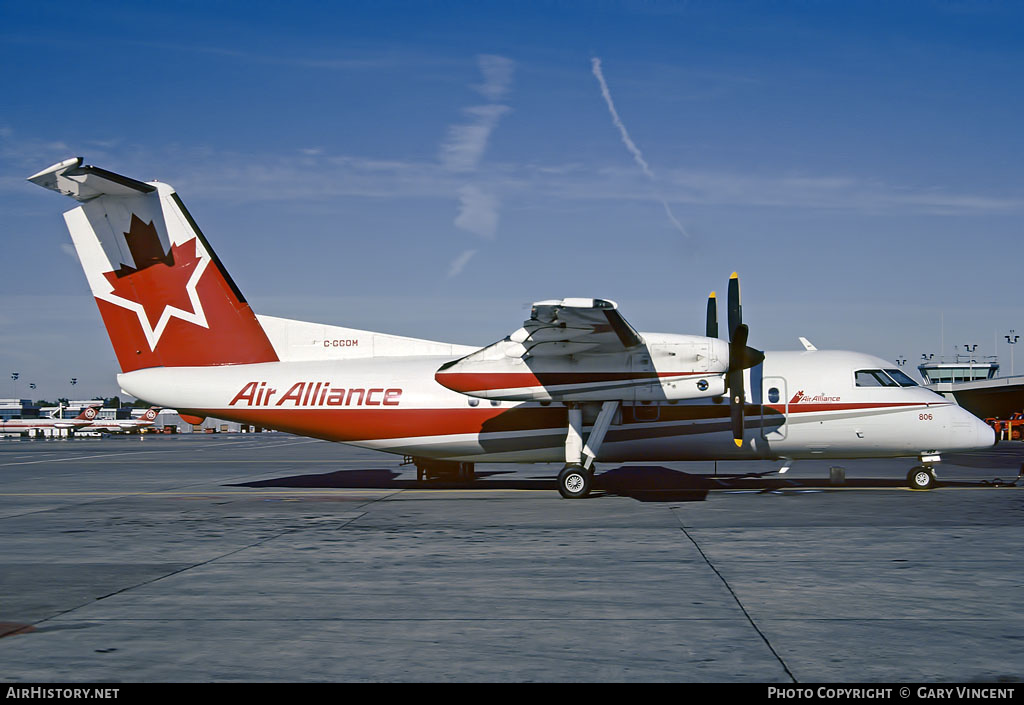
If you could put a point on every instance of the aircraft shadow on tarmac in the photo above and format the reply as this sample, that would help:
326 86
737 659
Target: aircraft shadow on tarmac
645 483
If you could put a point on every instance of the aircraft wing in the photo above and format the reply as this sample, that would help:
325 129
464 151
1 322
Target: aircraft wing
582 350
573 326
565 344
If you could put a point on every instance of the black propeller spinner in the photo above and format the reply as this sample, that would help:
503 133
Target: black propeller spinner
741 356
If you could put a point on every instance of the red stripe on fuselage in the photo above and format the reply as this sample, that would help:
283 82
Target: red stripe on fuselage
379 424
349 425
847 406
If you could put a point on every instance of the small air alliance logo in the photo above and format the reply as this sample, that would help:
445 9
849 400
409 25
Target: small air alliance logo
161 285
90 413
801 398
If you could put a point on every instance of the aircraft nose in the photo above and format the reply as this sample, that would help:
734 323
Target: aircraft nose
973 432
988 433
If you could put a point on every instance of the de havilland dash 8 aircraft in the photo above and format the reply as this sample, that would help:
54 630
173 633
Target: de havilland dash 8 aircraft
574 384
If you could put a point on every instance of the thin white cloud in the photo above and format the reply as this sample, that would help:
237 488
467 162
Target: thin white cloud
478 212
464 148
243 176
497 71
638 156
455 268
465 145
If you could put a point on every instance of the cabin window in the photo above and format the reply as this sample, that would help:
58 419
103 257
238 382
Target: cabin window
474 402
874 378
773 395
902 378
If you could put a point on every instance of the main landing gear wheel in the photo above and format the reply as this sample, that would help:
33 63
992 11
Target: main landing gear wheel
921 478
574 482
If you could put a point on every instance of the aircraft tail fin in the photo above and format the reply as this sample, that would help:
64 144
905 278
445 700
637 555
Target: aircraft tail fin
88 413
165 298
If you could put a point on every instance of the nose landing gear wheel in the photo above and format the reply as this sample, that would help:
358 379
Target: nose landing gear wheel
921 478
574 482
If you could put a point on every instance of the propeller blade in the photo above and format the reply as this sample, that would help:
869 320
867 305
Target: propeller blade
736 406
734 378
741 355
712 327
735 309
738 339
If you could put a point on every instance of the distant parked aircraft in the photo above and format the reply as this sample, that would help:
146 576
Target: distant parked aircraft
125 425
85 418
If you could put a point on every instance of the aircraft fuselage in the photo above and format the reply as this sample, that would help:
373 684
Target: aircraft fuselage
802 404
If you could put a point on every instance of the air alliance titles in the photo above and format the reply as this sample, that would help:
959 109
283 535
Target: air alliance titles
314 394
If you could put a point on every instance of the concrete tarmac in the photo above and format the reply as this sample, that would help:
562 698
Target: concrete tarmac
270 557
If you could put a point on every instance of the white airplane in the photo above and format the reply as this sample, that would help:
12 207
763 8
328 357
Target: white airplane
574 384
125 425
84 419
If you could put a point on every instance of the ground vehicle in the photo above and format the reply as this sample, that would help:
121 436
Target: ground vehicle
1011 429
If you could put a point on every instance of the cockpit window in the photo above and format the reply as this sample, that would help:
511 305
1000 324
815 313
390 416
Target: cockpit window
902 378
874 378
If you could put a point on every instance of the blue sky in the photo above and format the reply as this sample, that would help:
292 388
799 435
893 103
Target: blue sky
431 168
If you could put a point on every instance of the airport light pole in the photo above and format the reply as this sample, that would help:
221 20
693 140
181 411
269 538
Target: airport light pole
970 348
14 378
1012 340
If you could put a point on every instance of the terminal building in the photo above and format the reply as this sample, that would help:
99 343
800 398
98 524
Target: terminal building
18 409
972 383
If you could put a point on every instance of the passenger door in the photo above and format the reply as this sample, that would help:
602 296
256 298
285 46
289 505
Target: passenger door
774 408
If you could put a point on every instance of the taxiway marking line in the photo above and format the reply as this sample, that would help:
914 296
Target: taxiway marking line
80 457
279 461
129 493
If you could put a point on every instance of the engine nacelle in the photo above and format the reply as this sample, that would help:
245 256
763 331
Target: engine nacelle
519 368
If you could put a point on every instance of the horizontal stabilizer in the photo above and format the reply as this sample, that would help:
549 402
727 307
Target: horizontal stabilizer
84 183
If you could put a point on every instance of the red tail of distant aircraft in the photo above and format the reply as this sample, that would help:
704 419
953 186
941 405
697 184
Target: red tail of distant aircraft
126 425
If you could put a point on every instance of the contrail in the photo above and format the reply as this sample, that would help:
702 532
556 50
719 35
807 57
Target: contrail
638 156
